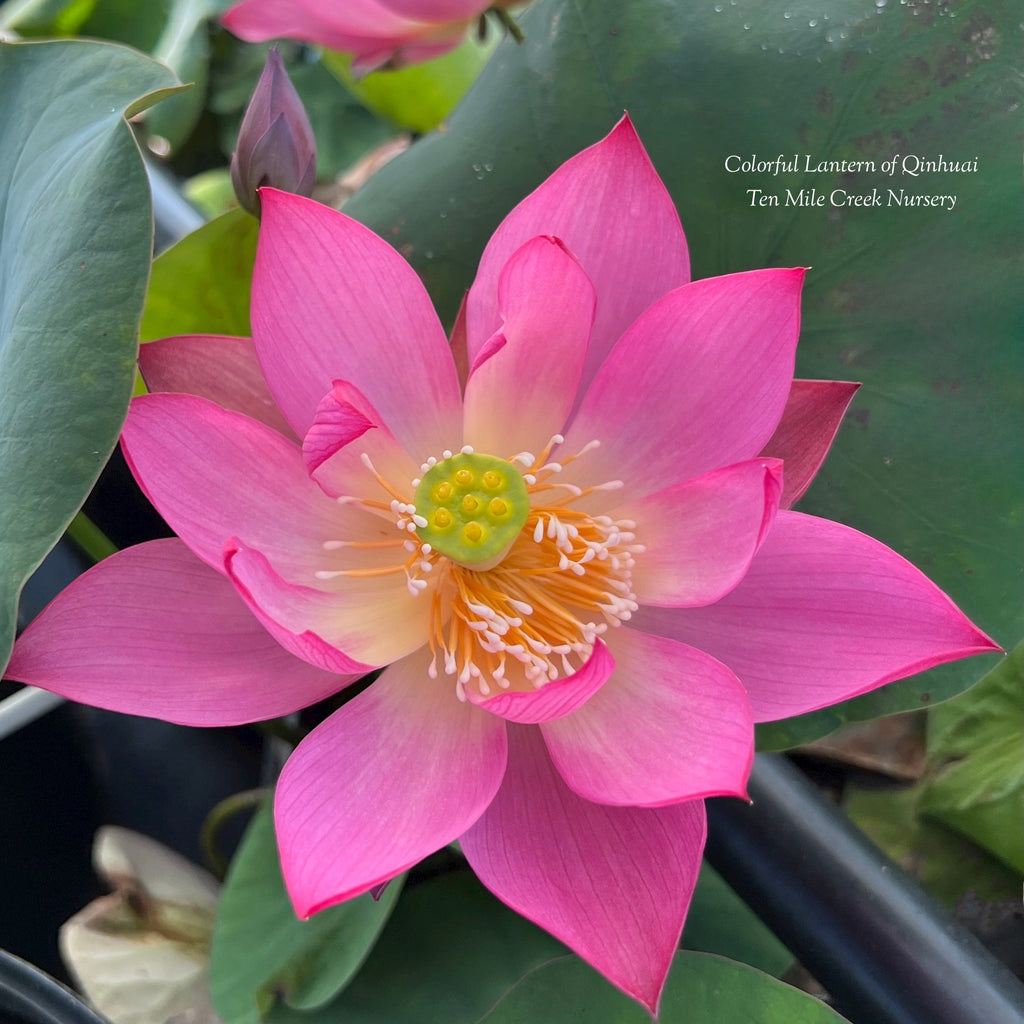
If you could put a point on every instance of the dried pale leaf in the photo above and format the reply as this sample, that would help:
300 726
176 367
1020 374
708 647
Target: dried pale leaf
162 874
141 954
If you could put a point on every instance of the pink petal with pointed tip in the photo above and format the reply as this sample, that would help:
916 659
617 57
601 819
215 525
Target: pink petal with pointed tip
809 423
554 699
350 451
671 724
364 622
332 300
401 770
215 474
611 209
824 614
698 382
522 394
494 344
220 368
342 417
612 883
153 631
699 536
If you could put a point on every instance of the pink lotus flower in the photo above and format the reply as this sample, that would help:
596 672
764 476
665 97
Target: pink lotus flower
579 566
376 32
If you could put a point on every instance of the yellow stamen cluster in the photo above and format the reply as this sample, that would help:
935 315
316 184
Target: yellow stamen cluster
533 613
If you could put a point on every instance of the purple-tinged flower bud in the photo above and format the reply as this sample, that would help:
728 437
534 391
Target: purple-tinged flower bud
275 143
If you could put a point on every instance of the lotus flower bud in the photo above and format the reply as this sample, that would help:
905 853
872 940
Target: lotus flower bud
275 143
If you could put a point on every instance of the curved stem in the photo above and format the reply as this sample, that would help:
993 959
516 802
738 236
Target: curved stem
221 813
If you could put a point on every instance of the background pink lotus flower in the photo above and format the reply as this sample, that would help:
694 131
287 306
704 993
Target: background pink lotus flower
376 32
580 567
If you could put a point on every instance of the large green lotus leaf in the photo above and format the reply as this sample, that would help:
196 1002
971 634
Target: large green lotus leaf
720 922
455 950
75 239
700 987
201 284
448 954
263 954
975 743
175 32
920 304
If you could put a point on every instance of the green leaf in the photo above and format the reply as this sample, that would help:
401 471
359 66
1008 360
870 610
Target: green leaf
75 239
262 953
454 950
174 32
949 866
922 305
201 284
211 192
700 987
125 21
422 96
976 742
44 17
720 922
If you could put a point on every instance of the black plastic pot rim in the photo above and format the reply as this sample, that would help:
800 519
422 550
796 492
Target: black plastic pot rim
28 995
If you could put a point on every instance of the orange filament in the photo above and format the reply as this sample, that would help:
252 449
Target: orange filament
536 615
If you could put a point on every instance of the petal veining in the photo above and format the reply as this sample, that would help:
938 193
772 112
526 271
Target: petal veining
379 331
366 622
671 724
612 883
395 774
611 209
700 536
522 394
698 382
223 369
825 613
214 474
153 631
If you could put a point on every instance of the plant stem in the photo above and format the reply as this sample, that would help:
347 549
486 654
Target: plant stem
222 812
509 23
90 538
